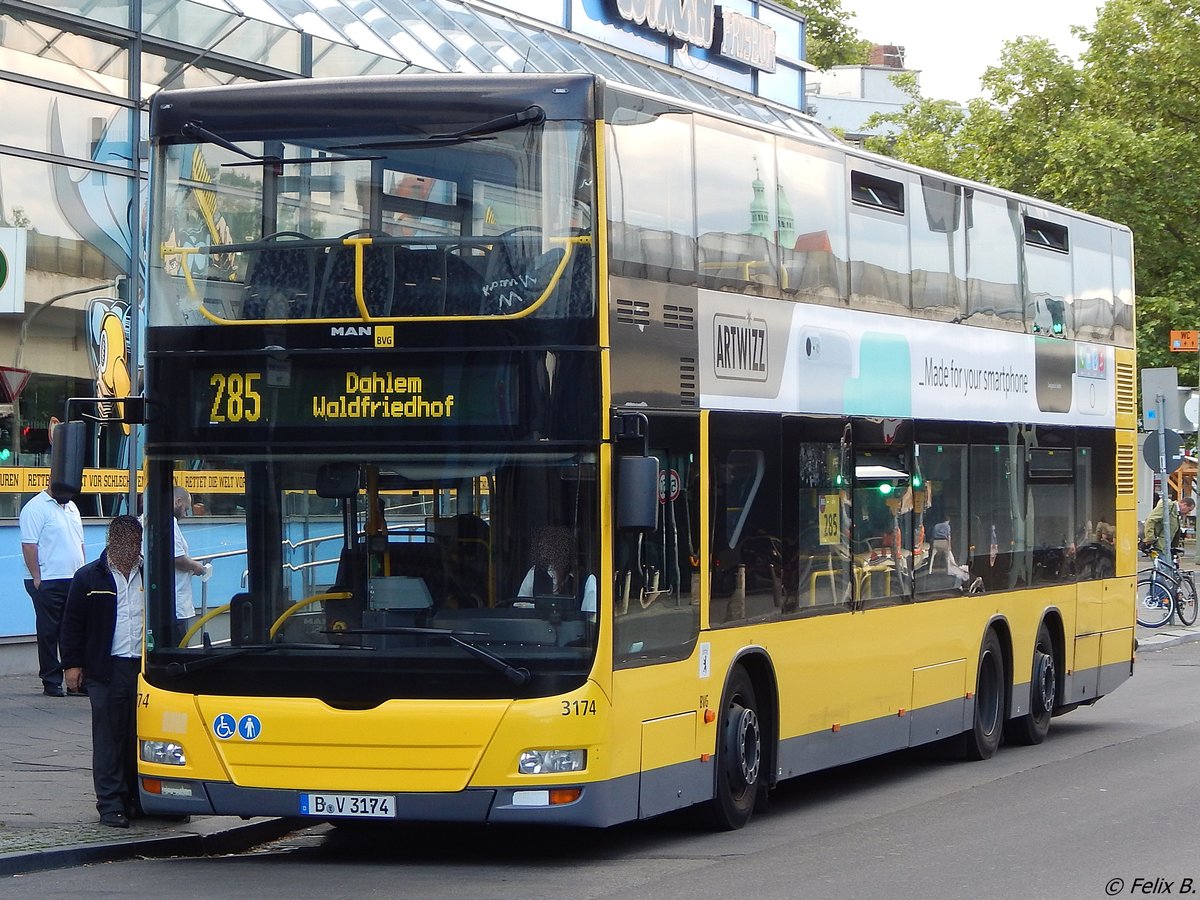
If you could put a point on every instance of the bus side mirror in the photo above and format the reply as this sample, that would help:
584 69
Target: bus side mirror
67 453
637 493
337 481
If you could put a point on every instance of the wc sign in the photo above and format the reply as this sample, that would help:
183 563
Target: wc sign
13 244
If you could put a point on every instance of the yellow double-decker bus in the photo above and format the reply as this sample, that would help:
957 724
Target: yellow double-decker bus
602 455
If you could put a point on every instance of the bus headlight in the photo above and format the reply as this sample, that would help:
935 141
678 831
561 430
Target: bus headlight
165 753
544 762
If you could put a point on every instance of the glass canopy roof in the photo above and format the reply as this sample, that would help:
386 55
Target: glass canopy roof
436 36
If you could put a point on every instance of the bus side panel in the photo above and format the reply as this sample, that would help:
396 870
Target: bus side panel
656 733
665 783
933 717
1082 681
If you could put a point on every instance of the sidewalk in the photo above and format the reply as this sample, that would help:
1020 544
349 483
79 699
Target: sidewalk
1172 633
48 814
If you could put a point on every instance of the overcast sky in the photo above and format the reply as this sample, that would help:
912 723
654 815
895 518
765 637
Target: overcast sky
951 42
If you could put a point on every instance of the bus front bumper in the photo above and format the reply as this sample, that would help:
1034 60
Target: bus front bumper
597 804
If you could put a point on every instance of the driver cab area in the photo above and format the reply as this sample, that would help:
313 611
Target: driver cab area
463 552
398 564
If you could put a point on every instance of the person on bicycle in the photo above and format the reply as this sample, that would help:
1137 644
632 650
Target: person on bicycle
1153 529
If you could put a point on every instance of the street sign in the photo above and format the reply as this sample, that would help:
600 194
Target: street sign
1174 444
1185 341
12 382
1163 381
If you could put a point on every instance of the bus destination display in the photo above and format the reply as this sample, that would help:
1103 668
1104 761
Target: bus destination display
300 393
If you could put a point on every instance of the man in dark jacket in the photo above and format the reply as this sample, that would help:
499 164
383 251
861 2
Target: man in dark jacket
102 629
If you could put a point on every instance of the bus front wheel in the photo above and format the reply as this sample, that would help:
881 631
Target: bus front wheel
982 739
739 755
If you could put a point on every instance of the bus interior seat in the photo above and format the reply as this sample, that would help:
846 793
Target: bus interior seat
508 273
467 540
463 280
580 301
346 615
434 282
337 300
280 280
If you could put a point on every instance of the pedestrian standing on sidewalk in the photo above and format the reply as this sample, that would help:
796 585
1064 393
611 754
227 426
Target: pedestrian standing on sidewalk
52 547
103 626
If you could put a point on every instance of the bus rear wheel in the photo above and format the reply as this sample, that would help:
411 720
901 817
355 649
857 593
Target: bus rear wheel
982 739
1032 727
739 755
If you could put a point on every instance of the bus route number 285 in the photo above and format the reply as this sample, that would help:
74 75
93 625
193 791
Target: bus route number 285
235 397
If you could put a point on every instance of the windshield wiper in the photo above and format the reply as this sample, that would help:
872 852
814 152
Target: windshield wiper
177 669
196 130
513 674
530 115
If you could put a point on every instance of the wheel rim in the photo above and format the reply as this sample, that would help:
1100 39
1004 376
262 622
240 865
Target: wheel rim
745 746
1044 683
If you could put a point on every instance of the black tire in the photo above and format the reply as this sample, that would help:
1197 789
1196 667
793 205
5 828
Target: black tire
982 739
1032 727
739 756
1186 601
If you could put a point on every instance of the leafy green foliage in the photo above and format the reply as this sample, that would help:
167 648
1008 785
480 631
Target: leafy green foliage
832 41
1115 136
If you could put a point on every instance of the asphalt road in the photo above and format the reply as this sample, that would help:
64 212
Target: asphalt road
1110 798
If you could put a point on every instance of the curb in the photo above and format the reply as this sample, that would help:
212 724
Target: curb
237 839
1161 640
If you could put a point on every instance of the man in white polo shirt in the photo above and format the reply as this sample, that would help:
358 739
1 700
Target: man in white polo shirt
52 545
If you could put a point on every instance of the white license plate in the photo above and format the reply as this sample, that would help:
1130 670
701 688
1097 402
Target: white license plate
358 806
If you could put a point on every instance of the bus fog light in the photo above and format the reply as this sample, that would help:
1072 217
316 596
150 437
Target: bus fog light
165 753
543 762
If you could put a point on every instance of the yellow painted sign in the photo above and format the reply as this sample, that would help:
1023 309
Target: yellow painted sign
830 519
30 480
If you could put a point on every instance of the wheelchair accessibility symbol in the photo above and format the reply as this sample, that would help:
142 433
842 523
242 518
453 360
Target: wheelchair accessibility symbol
224 726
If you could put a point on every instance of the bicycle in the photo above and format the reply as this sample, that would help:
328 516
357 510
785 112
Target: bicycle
1164 590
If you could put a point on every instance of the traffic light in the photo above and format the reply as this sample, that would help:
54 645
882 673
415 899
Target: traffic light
34 439
6 441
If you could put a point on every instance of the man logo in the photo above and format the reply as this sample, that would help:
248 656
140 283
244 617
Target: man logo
350 330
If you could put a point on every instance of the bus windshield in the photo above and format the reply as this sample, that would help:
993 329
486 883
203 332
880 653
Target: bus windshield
489 220
400 576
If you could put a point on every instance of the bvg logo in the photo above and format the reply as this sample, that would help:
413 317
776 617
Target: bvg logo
385 336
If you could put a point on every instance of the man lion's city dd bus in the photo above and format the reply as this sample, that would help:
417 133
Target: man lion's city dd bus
569 454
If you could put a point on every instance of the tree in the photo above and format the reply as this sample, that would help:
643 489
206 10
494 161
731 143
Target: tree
831 40
1114 136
